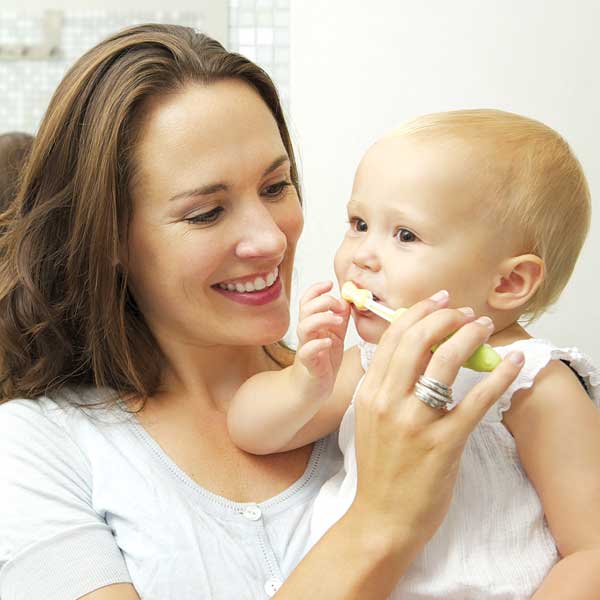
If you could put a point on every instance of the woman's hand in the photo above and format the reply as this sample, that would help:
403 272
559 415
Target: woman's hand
408 453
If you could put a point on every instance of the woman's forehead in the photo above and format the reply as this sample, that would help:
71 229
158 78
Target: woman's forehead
206 115
222 129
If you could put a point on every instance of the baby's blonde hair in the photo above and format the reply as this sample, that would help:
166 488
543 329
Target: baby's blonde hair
539 185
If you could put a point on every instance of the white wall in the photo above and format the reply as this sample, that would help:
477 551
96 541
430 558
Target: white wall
214 11
360 68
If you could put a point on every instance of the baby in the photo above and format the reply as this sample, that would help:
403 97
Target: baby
492 208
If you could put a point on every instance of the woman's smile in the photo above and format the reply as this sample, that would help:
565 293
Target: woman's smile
254 290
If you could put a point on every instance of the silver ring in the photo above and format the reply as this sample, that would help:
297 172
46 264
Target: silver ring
426 397
435 385
432 392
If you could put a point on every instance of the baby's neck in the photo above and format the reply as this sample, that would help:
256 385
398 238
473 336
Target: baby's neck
508 334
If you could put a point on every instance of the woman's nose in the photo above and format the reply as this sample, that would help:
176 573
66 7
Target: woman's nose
261 236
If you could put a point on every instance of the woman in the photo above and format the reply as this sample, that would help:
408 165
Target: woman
150 254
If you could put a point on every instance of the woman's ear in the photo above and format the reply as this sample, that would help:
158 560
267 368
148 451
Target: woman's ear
518 279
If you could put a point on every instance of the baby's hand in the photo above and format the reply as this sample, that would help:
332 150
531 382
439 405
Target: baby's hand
321 332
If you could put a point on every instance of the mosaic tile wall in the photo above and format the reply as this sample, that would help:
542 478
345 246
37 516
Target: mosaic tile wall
259 29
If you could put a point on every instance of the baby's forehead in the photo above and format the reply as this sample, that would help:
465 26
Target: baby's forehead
399 143
443 175
430 159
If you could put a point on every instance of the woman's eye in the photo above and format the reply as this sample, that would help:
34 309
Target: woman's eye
205 218
358 224
405 235
275 190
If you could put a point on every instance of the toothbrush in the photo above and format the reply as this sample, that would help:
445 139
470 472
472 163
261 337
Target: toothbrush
363 300
484 359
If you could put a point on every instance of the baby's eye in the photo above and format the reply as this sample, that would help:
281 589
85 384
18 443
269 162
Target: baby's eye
358 224
405 235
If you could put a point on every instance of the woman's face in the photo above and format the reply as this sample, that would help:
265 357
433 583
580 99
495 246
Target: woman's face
215 218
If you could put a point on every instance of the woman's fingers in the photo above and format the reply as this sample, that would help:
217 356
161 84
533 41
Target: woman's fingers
394 334
448 359
412 356
478 401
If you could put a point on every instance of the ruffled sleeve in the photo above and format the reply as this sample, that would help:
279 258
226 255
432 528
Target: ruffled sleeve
538 353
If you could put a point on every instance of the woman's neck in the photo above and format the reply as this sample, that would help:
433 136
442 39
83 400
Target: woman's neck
208 377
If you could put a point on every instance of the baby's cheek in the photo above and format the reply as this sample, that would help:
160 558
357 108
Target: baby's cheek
340 266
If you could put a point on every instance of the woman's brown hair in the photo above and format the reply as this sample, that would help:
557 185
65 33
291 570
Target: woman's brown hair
66 316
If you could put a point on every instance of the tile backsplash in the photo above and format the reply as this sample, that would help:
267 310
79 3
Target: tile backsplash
259 29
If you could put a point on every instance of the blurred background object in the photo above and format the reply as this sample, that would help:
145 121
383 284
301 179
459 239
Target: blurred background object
259 29
14 150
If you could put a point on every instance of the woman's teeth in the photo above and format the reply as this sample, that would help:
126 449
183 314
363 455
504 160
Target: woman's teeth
252 286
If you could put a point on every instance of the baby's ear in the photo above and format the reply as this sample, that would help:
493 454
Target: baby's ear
518 279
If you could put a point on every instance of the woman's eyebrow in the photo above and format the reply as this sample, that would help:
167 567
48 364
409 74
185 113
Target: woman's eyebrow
204 190
212 188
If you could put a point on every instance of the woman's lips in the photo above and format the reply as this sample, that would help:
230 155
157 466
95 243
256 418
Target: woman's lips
256 298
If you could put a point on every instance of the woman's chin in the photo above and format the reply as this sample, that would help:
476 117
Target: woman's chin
270 333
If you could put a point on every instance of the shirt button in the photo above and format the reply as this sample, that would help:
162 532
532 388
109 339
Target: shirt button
252 512
272 586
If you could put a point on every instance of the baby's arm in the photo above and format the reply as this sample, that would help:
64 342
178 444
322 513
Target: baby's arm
557 431
276 411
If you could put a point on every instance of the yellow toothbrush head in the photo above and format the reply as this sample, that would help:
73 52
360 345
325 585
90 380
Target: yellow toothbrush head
357 296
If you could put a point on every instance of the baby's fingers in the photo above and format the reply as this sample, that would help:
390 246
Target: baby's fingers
310 354
313 325
316 290
323 303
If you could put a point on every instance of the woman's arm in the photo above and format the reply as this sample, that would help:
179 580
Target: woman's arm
557 431
407 456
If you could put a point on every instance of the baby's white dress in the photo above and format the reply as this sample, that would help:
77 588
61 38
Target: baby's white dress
495 542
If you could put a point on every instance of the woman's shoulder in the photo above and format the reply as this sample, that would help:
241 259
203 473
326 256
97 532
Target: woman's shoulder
29 413
58 414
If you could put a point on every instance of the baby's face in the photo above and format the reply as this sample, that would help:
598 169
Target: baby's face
416 226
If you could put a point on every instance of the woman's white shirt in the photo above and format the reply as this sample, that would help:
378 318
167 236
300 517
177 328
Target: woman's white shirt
88 498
